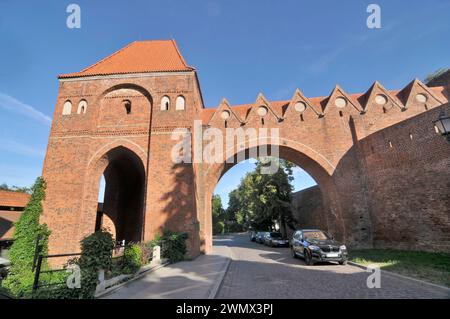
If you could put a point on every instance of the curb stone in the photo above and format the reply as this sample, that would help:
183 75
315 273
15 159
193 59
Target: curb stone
422 282
140 275
218 284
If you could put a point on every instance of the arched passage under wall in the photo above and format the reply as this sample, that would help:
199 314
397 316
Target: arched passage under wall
333 221
306 201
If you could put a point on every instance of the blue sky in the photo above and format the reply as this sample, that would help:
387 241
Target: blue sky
240 48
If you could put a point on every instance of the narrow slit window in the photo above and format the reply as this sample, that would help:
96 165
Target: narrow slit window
127 105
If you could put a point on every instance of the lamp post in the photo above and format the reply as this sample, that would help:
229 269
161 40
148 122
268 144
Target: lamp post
442 125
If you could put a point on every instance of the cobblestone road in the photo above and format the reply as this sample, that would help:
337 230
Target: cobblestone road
258 272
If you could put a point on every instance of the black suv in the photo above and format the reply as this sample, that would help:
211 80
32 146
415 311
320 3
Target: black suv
315 245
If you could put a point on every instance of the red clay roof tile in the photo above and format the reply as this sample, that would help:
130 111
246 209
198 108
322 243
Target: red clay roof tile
13 199
138 57
7 220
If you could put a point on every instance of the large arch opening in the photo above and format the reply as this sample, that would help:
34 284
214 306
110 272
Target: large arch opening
122 188
327 208
304 197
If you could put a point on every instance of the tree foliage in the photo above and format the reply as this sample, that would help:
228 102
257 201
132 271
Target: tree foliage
173 245
20 278
218 215
132 259
430 77
14 188
262 200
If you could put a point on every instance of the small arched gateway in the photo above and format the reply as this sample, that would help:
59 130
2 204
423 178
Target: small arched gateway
123 204
382 170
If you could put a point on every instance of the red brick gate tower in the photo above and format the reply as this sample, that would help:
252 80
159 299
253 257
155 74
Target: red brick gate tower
116 119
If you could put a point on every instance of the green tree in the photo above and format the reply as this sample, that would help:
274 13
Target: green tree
27 229
262 200
5 187
218 215
435 74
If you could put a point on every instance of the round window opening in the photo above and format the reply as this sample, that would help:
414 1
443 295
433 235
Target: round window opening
225 115
262 111
421 98
381 99
300 106
340 102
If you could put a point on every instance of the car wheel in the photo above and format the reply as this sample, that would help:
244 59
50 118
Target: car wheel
293 254
343 262
308 259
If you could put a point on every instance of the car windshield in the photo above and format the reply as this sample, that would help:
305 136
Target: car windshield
275 235
316 234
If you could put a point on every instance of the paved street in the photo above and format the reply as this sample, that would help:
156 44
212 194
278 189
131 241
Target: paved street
258 272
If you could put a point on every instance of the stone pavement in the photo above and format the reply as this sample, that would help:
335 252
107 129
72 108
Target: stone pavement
260 272
199 278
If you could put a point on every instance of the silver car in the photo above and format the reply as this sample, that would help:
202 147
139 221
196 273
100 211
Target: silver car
275 239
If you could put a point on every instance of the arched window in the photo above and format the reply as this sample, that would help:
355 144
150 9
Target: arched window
165 103
180 103
82 106
67 108
127 105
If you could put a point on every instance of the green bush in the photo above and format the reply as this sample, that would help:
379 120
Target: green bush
234 227
132 259
20 278
219 228
96 254
60 291
173 245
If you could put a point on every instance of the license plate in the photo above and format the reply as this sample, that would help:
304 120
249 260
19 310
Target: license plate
332 255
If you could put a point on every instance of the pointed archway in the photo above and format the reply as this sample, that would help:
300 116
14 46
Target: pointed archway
122 211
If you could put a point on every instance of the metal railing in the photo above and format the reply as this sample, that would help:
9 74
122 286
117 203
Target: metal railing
37 265
117 256
39 271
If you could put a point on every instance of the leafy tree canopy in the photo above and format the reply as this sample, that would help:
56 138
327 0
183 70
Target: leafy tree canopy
6 187
261 200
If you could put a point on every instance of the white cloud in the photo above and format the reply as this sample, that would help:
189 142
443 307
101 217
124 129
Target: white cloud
11 104
329 57
12 146
353 42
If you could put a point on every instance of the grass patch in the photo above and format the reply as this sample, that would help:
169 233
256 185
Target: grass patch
431 267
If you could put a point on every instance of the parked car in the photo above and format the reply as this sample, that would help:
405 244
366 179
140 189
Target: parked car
253 235
4 265
260 237
273 239
315 245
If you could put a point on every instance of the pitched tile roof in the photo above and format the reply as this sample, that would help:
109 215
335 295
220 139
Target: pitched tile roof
138 57
7 220
13 199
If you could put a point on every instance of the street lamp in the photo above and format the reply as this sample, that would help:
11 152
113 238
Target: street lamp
442 125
